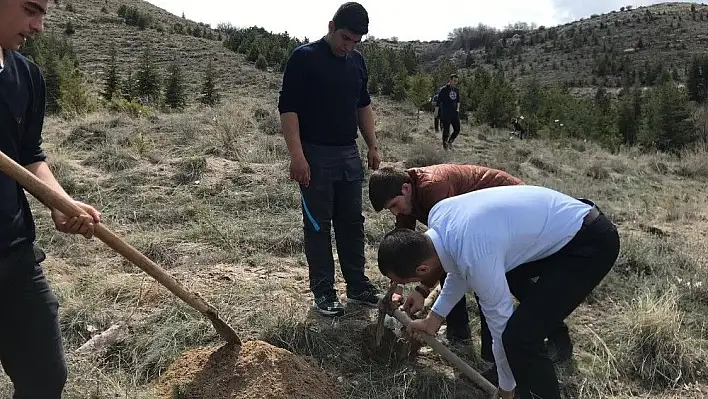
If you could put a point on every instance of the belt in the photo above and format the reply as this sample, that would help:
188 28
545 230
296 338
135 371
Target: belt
591 216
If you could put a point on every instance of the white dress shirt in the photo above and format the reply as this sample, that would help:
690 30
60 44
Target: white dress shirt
481 235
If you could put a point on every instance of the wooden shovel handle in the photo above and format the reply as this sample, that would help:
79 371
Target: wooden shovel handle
460 364
52 199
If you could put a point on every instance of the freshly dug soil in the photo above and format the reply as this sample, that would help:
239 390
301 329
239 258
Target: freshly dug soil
256 370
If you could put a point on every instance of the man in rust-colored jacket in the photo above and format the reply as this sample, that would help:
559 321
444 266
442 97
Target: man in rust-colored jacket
410 195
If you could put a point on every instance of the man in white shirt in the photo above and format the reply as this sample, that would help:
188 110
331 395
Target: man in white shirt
491 239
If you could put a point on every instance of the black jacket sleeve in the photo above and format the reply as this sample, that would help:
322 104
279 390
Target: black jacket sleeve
31 148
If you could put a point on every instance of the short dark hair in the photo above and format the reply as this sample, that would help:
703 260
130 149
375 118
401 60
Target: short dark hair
385 184
352 16
402 250
453 76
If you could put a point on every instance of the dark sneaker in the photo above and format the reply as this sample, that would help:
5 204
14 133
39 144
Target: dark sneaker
368 297
490 374
328 305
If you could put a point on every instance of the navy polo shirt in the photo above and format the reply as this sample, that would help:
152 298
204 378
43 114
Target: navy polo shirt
448 98
325 91
22 101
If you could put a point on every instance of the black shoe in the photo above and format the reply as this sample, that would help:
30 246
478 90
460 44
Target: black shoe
328 305
368 297
559 351
490 375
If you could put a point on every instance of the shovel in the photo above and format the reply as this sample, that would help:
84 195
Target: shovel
52 199
387 307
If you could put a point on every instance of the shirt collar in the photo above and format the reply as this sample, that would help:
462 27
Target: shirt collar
447 262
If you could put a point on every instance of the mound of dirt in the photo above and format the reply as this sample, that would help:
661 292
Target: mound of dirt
254 370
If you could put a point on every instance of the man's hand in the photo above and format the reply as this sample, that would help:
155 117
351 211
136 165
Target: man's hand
430 325
397 296
373 158
83 224
300 170
505 394
414 303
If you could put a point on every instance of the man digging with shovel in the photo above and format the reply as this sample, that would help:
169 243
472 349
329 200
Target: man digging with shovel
488 241
410 195
31 350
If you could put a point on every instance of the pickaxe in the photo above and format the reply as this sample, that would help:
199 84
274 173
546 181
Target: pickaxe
386 307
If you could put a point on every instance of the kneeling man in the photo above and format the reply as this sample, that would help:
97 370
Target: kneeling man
489 240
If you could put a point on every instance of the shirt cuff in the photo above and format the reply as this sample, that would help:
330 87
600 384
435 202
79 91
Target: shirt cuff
441 307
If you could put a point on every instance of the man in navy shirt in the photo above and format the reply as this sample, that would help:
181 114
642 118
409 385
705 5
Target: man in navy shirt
31 350
323 100
448 110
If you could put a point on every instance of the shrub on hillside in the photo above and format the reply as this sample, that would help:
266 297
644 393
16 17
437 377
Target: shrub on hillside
261 63
130 107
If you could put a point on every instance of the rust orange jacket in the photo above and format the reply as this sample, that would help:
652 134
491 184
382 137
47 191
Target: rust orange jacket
432 184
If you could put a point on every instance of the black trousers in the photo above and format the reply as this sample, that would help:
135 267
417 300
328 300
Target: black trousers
31 350
519 289
333 199
564 280
446 122
458 319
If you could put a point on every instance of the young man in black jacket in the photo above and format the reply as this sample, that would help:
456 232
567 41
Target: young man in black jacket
447 109
323 100
31 350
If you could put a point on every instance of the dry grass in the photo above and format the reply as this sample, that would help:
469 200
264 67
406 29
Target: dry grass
205 194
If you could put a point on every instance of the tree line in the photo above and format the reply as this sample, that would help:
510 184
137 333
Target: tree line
137 90
661 117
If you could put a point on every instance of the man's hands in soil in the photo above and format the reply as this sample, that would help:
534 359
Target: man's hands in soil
413 303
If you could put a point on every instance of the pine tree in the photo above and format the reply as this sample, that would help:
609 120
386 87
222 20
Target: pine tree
498 103
69 28
210 95
112 80
175 89
697 79
261 63
668 124
420 87
148 79
130 86
74 97
400 89
52 80
629 115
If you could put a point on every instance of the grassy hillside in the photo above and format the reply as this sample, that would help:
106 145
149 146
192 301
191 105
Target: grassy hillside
97 25
601 49
205 193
